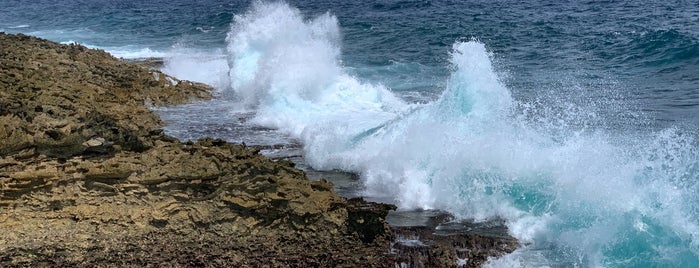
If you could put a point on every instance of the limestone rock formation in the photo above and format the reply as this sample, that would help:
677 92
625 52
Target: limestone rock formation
87 178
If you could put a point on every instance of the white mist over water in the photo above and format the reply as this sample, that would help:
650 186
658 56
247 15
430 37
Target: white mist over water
592 198
288 70
577 194
209 67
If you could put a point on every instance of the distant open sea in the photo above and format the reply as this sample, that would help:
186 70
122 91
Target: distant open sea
574 121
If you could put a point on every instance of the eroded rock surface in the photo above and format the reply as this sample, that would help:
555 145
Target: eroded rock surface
87 178
446 242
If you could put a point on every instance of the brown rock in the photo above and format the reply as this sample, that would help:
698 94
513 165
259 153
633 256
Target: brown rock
88 179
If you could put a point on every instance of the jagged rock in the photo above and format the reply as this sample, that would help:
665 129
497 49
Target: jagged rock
367 219
428 246
87 178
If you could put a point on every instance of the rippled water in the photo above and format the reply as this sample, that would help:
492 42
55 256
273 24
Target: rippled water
575 122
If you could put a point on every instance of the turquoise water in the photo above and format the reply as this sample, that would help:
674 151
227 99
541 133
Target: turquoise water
574 121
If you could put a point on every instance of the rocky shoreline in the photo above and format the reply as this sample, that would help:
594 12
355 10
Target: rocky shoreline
87 178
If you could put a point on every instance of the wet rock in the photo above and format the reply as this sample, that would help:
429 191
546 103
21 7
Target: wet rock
443 242
367 219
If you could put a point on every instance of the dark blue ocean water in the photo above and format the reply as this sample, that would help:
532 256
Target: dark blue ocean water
645 52
576 121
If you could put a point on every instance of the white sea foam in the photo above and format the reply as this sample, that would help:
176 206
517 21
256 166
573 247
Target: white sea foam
205 66
125 52
587 198
289 70
134 53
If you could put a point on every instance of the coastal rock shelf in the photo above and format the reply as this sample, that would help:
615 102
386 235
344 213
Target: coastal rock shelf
87 177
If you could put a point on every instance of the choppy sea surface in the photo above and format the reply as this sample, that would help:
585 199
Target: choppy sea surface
575 122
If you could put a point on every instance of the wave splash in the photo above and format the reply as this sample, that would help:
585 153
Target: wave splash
289 70
589 198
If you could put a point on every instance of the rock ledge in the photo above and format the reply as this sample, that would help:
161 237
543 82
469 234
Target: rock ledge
87 178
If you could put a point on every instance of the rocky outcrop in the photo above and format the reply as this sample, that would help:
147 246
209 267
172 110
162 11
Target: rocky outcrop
444 242
55 98
87 178
207 202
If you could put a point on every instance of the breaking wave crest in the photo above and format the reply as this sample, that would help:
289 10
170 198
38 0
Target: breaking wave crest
592 197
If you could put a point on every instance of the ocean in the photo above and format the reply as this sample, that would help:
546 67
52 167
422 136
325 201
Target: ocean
575 122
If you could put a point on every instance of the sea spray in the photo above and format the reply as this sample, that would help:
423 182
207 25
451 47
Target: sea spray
579 197
205 66
289 70
281 52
